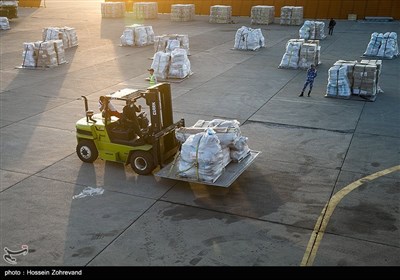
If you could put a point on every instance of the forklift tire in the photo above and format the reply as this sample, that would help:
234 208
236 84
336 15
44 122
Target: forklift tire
87 151
142 162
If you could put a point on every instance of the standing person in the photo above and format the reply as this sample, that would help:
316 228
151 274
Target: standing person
311 75
111 110
331 25
152 77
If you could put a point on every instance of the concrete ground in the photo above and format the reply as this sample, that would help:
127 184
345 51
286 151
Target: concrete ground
312 150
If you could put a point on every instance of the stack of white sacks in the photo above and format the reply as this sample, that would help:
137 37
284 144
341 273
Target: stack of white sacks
4 23
182 12
352 77
291 15
145 10
312 30
220 14
137 35
249 39
168 42
301 54
66 34
112 9
208 147
171 56
43 54
383 45
262 14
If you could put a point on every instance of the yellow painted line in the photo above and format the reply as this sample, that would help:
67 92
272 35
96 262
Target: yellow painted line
323 219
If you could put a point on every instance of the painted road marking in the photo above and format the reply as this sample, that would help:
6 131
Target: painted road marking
326 214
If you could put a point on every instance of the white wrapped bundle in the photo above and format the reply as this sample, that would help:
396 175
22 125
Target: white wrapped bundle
389 47
262 14
365 79
308 55
28 55
374 44
46 55
161 43
160 64
112 9
145 10
378 64
249 39
350 69
220 14
227 131
172 44
4 23
180 65
59 49
202 157
144 35
338 84
127 37
291 57
314 30
182 12
66 34
291 15
239 148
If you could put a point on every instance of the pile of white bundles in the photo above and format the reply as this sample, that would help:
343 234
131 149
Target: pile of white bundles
4 23
169 42
338 83
145 10
137 35
220 14
249 39
175 64
66 34
182 12
383 45
208 147
362 78
291 15
262 14
312 30
43 54
301 54
112 9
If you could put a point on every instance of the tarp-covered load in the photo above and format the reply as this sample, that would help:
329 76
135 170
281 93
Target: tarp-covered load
174 65
169 42
43 54
4 23
66 34
249 39
137 35
312 30
383 45
208 147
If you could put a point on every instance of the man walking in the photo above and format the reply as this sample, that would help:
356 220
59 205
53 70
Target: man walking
331 25
311 75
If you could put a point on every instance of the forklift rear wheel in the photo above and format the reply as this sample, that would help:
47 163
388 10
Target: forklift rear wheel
87 151
142 162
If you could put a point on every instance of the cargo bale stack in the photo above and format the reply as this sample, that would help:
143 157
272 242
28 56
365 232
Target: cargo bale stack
291 15
383 45
113 9
66 34
312 30
249 39
182 12
4 23
169 42
145 10
220 14
262 14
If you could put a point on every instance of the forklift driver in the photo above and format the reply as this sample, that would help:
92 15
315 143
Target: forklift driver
130 118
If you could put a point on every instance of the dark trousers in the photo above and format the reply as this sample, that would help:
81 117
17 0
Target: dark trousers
308 82
330 31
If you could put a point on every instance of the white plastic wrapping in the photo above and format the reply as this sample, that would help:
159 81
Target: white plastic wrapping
249 39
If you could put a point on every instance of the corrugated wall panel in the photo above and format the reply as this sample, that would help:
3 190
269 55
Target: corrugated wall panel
313 9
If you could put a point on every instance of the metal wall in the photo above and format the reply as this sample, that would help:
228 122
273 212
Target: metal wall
313 9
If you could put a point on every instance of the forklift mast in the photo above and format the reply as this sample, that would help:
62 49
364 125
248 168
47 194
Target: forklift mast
158 98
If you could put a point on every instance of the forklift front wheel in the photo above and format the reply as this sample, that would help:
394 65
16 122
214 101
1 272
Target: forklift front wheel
142 162
87 151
